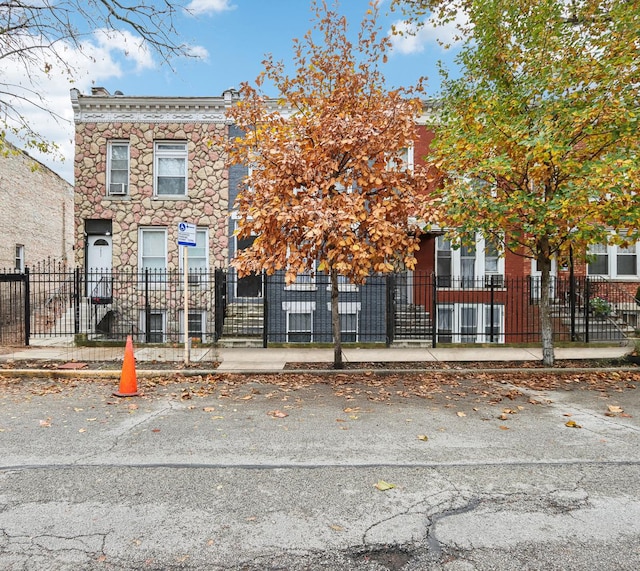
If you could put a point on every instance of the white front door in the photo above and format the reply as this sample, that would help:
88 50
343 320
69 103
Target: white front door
99 265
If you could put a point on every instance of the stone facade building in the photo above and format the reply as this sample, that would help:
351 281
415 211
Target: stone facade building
143 165
36 212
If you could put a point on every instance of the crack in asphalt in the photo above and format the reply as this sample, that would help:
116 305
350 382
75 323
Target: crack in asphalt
294 466
433 543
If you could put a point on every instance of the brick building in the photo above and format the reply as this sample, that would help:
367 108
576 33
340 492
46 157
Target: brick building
36 212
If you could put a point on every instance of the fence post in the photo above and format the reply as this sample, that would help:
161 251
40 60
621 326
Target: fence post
147 308
572 304
434 310
391 309
265 311
587 299
76 300
491 310
27 307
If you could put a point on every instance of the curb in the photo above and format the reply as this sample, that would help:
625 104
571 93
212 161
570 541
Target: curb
148 373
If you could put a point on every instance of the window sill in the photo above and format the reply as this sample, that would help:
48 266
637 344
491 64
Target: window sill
301 287
171 197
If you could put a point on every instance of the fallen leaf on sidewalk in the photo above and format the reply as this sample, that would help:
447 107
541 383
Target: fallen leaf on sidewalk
45 423
277 414
336 527
384 486
613 410
572 424
461 414
423 437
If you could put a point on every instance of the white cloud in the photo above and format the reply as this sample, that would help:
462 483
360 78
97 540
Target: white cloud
44 99
413 39
208 6
198 52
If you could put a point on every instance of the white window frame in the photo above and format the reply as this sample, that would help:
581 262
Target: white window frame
162 150
141 241
480 274
613 251
19 261
343 284
480 332
110 169
163 332
197 276
299 308
349 308
203 323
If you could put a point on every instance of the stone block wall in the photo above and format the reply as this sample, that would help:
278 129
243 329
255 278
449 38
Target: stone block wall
206 204
36 210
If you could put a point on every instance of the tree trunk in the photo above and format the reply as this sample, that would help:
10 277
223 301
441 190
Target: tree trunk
546 328
335 322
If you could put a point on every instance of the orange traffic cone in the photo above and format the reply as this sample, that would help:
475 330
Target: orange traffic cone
128 381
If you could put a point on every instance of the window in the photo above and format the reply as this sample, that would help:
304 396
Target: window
19 258
600 260
157 325
493 324
305 281
445 324
197 258
197 325
614 261
118 168
299 327
153 249
405 155
349 312
468 265
171 169
349 327
444 267
471 265
299 316
470 323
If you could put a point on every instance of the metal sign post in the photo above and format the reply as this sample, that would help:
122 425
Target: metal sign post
186 239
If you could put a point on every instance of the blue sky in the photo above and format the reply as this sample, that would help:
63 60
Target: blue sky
230 38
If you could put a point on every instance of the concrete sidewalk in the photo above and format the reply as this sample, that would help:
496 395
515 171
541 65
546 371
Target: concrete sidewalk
275 359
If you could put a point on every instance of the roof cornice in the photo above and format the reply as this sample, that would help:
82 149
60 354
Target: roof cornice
103 107
121 108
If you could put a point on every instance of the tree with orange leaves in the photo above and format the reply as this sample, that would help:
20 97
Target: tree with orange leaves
328 182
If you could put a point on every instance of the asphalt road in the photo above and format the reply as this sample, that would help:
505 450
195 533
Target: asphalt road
263 477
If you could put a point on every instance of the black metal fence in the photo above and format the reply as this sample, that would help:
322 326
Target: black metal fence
106 306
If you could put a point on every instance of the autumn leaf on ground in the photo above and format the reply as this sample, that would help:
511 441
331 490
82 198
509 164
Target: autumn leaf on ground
503 427
384 486
461 414
277 414
336 527
45 423
613 410
209 409
423 437
572 424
